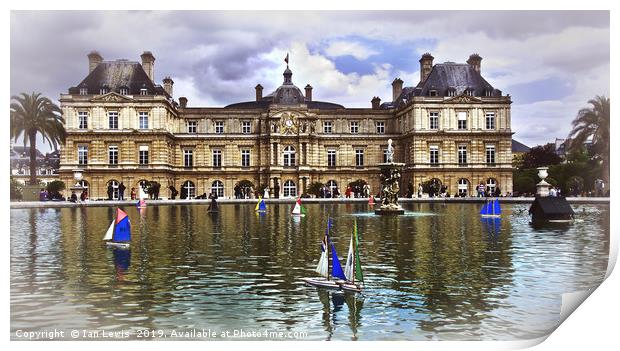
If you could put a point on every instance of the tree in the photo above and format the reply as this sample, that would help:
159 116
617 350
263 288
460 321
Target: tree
315 189
541 156
524 184
35 114
16 190
593 122
55 187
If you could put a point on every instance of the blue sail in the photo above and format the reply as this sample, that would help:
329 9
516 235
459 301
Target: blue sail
486 208
262 206
122 230
336 267
496 208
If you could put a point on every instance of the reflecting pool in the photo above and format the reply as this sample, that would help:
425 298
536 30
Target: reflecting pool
440 272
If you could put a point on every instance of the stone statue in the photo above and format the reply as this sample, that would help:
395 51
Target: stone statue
390 152
390 187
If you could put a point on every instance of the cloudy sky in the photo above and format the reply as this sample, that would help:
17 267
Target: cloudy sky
550 62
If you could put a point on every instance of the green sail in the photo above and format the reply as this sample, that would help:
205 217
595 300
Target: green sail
358 264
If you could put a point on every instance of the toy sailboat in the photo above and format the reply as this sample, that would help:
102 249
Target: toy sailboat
119 232
491 209
353 268
323 267
299 209
260 206
141 204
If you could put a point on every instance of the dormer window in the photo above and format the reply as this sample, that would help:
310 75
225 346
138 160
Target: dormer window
103 90
451 92
124 91
469 92
488 92
432 93
83 91
144 91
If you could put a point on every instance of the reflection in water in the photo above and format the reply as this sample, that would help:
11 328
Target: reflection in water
439 272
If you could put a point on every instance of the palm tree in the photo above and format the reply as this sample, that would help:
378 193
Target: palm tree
35 114
593 122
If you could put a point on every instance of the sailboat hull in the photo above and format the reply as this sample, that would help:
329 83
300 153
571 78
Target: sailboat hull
351 287
322 283
491 216
117 244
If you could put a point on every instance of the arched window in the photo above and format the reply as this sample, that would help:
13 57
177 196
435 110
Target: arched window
218 187
289 156
463 187
290 190
188 189
491 186
114 185
332 185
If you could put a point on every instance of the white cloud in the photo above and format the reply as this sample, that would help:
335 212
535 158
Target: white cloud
343 48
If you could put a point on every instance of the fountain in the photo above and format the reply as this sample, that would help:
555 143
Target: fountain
390 178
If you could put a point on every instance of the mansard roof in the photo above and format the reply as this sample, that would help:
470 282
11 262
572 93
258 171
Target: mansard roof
114 75
445 77
519 147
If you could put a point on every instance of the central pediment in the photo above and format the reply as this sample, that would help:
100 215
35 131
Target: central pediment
111 97
463 99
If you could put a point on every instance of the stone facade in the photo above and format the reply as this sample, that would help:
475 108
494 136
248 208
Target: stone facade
122 127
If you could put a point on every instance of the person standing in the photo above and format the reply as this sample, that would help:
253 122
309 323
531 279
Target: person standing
133 193
121 191
110 191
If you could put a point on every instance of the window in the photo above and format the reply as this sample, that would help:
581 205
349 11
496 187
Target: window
331 158
332 185
290 190
83 120
144 91
434 155
217 187
385 156
83 91
219 127
433 120
246 127
245 158
462 155
451 92
490 120
143 155
143 119
355 126
83 155
463 187
192 127
327 127
113 120
113 154
380 127
491 185
488 92
103 90
188 190
462 120
432 93
188 158
289 156
124 91
469 92
114 185
216 156
359 157
490 154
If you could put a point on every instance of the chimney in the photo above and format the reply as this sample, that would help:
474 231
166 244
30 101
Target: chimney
474 61
168 83
94 59
397 88
308 92
148 64
426 65
183 101
376 102
259 92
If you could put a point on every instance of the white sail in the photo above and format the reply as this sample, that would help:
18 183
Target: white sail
349 269
321 268
108 234
297 209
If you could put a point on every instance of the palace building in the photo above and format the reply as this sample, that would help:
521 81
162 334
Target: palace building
452 128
